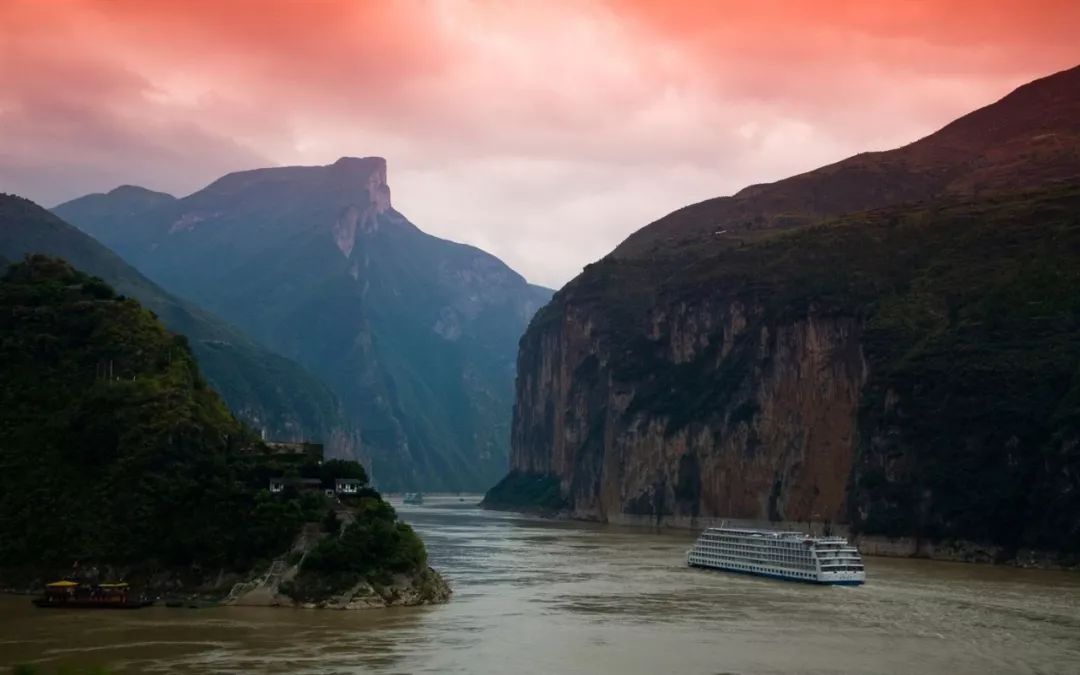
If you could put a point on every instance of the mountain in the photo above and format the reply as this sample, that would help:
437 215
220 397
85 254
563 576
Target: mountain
268 391
416 335
119 461
126 200
112 446
889 343
1026 140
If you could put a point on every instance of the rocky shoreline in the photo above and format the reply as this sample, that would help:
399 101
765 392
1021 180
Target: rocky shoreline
963 551
869 545
263 589
274 583
266 585
424 587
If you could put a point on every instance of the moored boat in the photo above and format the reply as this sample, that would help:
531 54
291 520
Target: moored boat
784 555
68 594
413 498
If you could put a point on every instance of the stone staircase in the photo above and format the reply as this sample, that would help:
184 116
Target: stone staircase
260 591
263 590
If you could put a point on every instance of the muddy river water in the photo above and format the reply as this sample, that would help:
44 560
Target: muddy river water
536 596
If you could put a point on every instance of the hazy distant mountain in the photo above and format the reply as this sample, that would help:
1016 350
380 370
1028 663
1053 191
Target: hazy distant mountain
890 342
417 335
268 391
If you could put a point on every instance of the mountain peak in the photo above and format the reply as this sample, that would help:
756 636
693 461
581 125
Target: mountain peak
370 172
137 191
129 199
1026 140
341 181
363 164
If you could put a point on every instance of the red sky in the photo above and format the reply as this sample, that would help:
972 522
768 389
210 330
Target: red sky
543 131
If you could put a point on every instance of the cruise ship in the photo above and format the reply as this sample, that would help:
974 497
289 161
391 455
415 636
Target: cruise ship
785 555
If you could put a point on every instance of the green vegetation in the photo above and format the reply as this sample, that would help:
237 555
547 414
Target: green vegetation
972 325
970 316
416 335
256 383
522 490
335 468
372 548
113 449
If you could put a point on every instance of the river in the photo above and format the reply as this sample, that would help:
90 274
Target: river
536 596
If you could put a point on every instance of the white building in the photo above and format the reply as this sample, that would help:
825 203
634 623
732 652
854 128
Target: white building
347 486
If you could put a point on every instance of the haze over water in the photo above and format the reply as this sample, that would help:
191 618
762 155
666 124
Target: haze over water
535 596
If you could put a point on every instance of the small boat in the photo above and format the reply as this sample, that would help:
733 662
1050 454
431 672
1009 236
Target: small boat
69 594
413 498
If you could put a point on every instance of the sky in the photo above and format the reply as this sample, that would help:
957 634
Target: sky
542 131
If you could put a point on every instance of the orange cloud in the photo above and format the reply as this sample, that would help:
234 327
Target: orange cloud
543 131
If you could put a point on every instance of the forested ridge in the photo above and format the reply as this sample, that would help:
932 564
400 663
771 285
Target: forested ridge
114 450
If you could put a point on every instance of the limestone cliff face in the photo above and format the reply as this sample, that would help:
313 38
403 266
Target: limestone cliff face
771 434
416 336
369 176
339 441
888 341
913 373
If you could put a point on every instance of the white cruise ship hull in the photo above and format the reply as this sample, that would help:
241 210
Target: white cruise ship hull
833 579
792 556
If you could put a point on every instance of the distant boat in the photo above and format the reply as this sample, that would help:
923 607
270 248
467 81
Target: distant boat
783 555
413 498
68 594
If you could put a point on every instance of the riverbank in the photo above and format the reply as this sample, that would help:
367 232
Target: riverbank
268 589
278 587
333 582
537 596
963 551
874 545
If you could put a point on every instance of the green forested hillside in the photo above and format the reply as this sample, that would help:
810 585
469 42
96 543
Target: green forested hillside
112 446
890 341
263 388
972 337
969 323
415 335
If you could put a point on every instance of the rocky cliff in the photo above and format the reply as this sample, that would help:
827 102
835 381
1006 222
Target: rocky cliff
772 433
910 371
414 334
282 582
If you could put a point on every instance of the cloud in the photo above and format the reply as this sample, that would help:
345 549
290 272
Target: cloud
543 132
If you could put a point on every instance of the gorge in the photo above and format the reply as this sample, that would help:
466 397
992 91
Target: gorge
888 342
415 335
